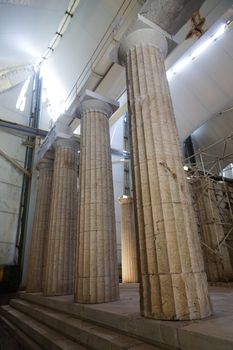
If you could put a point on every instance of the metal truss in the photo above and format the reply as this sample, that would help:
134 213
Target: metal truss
205 175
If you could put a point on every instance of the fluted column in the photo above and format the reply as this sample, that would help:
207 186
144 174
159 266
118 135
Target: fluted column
128 241
96 271
40 226
216 255
59 268
173 281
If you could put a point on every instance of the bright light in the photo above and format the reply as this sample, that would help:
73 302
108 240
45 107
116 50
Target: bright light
26 46
183 62
220 31
20 104
52 93
180 65
201 49
228 171
113 134
169 74
77 131
186 168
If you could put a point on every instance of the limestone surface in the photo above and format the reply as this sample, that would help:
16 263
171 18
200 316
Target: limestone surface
216 255
59 267
173 280
128 241
40 226
96 269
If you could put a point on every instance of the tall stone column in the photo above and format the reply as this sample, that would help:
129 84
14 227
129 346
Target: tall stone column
216 255
40 226
61 240
173 281
96 271
128 241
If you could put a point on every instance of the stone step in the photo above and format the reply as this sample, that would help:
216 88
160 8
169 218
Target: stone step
123 317
86 333
14 339
45 337
149 331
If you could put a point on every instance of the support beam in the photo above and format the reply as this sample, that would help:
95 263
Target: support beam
118 114
14 163
21 129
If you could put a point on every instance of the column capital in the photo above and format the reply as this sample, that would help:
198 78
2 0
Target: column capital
45 163
93 102
66 143
94 105
145 37
125 199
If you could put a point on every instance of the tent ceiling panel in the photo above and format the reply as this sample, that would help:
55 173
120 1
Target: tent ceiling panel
192 110
218 65
206 90
227 46
83 37
204 86
216 129
99 14
26 27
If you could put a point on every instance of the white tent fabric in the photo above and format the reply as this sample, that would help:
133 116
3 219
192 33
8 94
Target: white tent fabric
204 87
200 91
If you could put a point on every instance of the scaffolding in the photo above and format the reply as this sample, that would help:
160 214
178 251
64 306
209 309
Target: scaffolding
211 161
212 195
127 170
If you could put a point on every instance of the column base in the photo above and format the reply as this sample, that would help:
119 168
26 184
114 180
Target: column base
186 303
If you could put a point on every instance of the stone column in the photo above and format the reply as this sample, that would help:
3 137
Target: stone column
40 226
216 255
96 271
59 268
128 241
173 281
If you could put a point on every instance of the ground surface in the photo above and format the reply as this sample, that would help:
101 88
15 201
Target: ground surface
219 325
